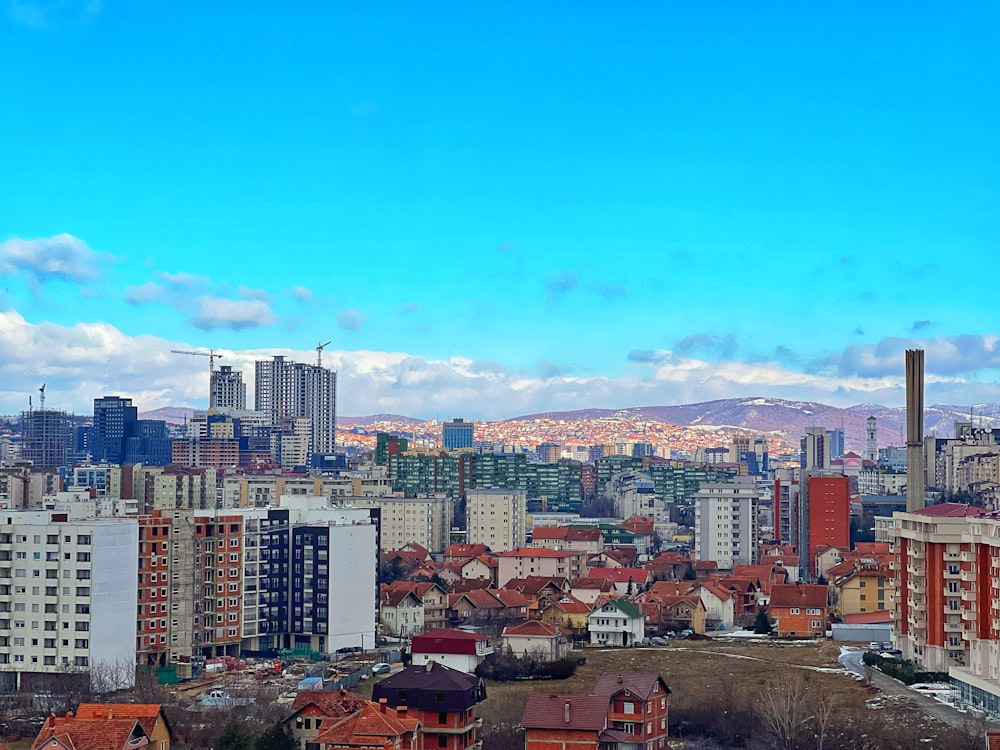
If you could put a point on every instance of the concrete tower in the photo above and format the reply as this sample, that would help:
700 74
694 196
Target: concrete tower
915 491
871 444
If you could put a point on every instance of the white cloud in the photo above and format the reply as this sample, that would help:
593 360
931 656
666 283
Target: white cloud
182 281
216 312
88 360
143 293
62 256
301 293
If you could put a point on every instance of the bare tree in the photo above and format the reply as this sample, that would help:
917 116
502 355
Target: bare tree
785 711
825 706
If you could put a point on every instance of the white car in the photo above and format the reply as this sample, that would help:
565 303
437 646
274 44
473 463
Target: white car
382 668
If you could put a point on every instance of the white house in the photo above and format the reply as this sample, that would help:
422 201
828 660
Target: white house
619 622
720 604
538 639
402 613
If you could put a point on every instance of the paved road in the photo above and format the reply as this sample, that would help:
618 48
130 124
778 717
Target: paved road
851 660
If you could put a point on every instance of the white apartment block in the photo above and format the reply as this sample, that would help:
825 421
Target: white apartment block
496 518
725 527
67 596
426 521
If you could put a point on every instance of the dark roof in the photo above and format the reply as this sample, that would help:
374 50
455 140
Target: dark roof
418 686
586 712
798 595
637 683
951 510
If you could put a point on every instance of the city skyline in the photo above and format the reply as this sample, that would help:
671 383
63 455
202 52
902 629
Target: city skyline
544 209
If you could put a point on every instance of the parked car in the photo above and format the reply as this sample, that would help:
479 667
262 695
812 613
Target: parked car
873 646
382 668
887 645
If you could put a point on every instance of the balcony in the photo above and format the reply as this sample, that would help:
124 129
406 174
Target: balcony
968 595
968 557
968 575
953 627
969 615
915 587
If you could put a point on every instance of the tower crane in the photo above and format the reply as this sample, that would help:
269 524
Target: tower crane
211 354
319 353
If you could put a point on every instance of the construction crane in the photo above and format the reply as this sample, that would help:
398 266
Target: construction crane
211 354
41 392
319 353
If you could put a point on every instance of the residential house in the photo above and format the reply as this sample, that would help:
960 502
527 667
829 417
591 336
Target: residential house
442 699
670 564
642 529
827 556
639 706
149 715
720 604
861 585
374 727
798 609
627 581
107 733
482 566
401 612
537 639
619 557
618 622
587 590
567 612
461 552
673 613
455 649
567 722
313 707
433 598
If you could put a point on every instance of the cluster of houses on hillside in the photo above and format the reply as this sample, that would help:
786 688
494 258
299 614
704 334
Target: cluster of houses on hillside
607 597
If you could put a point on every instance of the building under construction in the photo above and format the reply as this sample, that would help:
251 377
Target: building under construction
46 438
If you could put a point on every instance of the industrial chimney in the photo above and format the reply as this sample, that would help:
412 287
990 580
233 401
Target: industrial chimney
914 430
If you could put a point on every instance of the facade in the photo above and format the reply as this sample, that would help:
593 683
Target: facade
425 521
443 700
455 649
531 561
292 390
228 391
114 420
496 518
726 523
639 706
402 613
798 610
67 596
46 438
618 622
457 434
537 639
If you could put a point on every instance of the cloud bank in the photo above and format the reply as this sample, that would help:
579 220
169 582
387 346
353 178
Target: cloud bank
87 360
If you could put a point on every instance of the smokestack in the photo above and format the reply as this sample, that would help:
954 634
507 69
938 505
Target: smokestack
915 491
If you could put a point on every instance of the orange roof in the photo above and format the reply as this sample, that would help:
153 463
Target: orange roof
146 713
572 606
331 703
670 588
90 734
533 552
465 550
372 726
535 629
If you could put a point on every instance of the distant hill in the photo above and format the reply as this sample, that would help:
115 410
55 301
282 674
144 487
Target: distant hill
369 420
169 414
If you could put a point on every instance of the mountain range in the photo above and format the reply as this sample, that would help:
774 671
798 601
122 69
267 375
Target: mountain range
766 415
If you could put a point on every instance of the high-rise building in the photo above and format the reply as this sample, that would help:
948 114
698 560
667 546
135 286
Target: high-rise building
496 518
815 449
46 438
456 434
292 390
228 389
835 439
725 526
826 501
114 420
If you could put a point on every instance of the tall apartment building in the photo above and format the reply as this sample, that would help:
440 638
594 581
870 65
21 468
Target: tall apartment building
815 449
228 391
170 487
725 526
67 597
290 390
822 516
496 518
424 520
457 434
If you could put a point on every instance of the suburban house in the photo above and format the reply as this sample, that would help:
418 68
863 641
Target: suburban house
720 604
639 706
537 639
433 597
623 712
460 552
313 707
443 700
455 649
861 585
375 725
798 609
401 611
568 612
627 581
482 566
668 613
149 715
618 622
109 732
587 590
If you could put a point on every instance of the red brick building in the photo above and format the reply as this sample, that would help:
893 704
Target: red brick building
799 610
829 513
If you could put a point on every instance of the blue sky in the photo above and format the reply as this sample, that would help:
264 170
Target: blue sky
498 209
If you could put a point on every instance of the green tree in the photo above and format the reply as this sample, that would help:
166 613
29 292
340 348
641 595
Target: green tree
276 738
689 574
762 625
236 737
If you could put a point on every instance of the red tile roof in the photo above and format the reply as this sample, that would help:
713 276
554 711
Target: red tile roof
621 575
446 641
535 629
533 552
865 618
146 713
579 712
372 726
90 734
951 510
637 683
454 551
331 703
798 595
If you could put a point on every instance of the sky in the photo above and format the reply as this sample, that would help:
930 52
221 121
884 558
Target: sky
493 209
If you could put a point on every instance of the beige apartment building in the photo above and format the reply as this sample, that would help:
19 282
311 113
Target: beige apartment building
424 520
496 518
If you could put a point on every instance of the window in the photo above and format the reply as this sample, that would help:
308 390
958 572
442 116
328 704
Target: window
442 739
793 610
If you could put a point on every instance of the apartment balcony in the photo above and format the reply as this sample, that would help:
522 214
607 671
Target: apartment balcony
893 564
917 553
968 595
968 575
916 587
969 614
968 557
953 627
915 570
952 574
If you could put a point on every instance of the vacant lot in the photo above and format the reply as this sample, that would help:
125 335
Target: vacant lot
716 693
